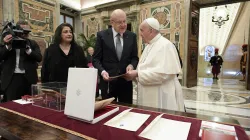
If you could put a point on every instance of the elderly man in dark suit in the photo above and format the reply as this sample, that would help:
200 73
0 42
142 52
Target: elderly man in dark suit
116 53
19 65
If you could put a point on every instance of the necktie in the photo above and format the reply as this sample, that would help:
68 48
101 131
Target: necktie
118 46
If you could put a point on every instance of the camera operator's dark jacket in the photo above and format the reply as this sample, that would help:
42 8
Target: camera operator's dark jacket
30 63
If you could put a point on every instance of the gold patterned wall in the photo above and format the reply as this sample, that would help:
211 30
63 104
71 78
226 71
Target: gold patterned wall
92 24
98 21
171 16
169 13
41 18
1 14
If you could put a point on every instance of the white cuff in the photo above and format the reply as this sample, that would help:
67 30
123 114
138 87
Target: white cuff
103 72
131 66
8 47
29 51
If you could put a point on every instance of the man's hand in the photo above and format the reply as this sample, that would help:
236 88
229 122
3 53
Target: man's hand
129 68
130 75
7 39
105 76
28 49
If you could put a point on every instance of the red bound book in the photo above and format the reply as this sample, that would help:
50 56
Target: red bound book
213 135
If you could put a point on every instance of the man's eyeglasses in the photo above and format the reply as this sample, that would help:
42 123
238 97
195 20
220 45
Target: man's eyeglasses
120 22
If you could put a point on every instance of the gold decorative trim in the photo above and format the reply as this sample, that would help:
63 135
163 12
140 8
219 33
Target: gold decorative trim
1 12
40 4
49 124
16 10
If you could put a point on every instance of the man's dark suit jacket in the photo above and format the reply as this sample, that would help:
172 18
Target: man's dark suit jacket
105 57
30 63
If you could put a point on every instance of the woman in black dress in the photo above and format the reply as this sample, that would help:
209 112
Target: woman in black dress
62 55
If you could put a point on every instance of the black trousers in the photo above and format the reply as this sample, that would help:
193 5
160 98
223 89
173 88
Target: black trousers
18 87
118 88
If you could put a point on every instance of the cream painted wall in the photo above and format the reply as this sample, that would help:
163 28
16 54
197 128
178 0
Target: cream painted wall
232 52
210 33
241 27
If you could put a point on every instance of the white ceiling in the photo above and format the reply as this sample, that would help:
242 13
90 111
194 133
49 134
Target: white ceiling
75 4
91 3
83 4
211 34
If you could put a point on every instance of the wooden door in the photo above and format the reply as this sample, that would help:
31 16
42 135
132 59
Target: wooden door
192 59
248 63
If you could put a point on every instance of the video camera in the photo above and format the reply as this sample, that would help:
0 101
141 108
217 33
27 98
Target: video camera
16 31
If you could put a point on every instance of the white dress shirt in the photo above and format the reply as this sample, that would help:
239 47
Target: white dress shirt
115 36
17 69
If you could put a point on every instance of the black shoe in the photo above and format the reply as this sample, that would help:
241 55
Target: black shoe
217 78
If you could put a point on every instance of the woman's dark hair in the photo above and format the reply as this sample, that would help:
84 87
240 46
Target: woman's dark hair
58 32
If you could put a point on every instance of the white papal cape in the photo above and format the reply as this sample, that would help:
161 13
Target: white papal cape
158 85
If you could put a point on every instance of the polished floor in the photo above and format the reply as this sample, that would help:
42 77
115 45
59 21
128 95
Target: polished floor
226 98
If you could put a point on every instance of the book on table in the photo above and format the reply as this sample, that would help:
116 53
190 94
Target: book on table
80 97
212 130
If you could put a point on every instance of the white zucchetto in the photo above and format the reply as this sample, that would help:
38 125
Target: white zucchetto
154 23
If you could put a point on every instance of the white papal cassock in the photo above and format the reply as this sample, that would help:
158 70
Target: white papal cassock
158 85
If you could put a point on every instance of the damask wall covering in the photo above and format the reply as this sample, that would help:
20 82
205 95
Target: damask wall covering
91 24
169 13
40 17
1 14
99 20
171 16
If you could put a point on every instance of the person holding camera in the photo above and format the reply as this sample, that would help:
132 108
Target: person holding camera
19 63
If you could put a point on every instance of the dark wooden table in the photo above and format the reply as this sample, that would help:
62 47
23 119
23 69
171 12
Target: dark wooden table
15 127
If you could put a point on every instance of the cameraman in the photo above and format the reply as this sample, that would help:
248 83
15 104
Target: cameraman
19 66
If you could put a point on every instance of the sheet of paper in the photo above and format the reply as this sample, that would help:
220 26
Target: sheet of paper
152 124
227 129
126 120
165 129
21 101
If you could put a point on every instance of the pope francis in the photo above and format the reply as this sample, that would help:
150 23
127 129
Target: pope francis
156 72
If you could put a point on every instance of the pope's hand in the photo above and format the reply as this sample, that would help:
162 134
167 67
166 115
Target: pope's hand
130 75
129 68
